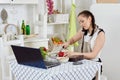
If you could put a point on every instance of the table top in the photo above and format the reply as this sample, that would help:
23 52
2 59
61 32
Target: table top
65 71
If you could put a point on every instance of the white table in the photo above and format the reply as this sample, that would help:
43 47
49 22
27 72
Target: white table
65 71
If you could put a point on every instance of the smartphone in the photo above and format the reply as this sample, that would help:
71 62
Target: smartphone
77 63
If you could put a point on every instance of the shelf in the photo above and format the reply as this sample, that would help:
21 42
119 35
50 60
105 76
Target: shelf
53 23
58 23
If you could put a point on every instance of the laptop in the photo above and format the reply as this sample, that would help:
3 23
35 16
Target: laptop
32 57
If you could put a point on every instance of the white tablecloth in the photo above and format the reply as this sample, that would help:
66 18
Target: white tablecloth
65 71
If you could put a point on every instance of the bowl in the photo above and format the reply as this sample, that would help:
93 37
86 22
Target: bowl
63 59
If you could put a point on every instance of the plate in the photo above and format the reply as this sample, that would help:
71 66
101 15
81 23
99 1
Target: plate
11 28
63 59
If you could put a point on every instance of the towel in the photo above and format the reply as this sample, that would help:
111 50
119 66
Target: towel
72 23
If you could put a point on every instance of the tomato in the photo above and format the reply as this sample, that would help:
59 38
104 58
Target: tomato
45 49
61 54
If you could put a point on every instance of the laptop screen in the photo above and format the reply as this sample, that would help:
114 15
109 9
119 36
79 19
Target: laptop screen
30 57
26 54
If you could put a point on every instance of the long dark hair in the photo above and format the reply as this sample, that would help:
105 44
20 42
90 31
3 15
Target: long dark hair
87 14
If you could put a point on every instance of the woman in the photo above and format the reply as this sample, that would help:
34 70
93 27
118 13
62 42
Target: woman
92 36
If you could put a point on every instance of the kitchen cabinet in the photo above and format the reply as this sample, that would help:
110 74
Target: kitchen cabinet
19 2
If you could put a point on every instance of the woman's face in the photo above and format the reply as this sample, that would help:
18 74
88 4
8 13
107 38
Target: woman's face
85 22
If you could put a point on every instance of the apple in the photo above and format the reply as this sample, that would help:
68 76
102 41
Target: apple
61 54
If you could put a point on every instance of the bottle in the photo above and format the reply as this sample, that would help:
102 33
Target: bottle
23 28
27 30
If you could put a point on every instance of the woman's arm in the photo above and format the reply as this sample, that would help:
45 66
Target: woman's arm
75 38
100 40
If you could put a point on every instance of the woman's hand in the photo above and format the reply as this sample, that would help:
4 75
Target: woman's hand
69 53
65 45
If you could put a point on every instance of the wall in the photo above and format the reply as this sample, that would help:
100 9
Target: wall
108 16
